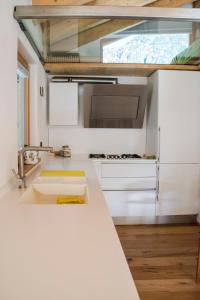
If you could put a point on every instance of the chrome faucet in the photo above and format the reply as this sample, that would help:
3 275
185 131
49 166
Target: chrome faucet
21 177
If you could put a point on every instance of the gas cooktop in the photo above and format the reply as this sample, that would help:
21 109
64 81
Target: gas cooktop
114 156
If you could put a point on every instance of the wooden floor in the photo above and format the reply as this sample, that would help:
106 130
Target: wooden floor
162 260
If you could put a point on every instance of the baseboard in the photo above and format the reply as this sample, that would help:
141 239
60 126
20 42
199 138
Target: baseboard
186 219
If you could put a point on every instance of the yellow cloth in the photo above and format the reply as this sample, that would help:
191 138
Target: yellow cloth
57 173
71 199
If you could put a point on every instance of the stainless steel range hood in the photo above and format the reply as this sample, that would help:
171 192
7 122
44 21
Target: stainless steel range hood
114 105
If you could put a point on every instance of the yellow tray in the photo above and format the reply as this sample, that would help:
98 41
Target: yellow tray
71 199
57 173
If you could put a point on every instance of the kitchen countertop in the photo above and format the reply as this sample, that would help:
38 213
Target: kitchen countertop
61 252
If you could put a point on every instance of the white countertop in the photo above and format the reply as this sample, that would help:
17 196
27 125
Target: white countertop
62 252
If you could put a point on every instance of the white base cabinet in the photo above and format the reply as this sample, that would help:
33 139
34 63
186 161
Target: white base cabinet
179 189
123 170
128 184
129 188
131 203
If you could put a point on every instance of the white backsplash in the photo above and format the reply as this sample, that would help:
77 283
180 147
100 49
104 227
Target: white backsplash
92 140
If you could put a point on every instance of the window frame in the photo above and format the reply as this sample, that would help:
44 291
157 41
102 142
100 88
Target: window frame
23 65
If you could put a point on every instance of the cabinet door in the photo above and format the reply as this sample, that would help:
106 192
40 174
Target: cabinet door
128 184
179 189
127 204
63 103
178 116
120 170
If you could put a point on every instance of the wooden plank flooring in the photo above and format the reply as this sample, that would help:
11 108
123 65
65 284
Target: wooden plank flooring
162 260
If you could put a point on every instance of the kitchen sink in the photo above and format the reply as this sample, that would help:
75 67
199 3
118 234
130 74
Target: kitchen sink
59 179
46 191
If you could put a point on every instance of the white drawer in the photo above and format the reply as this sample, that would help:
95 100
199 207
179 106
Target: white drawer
128 170
128 183
127 204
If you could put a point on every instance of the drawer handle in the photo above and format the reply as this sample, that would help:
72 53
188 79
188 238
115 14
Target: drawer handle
157 184
131 190
159 129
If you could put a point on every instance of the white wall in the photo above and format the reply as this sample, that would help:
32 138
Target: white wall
90 140
10 35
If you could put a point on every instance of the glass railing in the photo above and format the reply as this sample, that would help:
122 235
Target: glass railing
114 40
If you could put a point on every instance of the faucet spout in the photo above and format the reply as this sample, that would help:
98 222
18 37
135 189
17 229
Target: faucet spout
21 173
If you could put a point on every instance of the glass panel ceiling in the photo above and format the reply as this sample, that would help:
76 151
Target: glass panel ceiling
115 41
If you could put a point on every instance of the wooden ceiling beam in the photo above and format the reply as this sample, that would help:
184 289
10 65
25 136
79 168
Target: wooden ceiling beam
65 29
196 4
160 3
142 70
93 2
60 2
170 3
122 2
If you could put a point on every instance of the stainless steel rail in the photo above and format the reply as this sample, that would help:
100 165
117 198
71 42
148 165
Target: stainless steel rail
103 12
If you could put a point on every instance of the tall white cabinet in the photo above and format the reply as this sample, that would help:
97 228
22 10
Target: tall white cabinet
173 134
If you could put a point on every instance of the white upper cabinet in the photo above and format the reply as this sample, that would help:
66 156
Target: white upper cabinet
63 103
173 126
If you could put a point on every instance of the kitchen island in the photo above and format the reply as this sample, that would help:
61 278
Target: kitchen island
61 252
